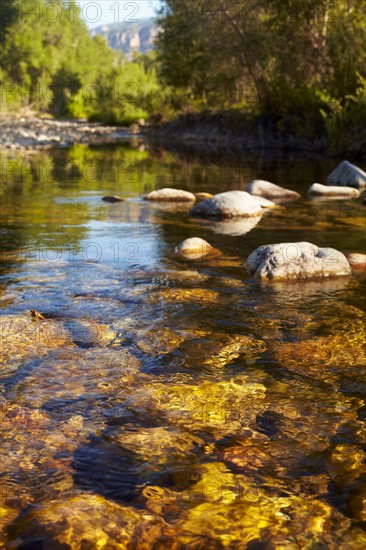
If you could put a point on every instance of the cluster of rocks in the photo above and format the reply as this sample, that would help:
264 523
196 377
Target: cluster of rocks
283 261
345 181
34 132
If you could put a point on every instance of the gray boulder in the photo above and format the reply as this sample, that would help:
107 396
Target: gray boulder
347 174
319 190
271 191
231 204
294 261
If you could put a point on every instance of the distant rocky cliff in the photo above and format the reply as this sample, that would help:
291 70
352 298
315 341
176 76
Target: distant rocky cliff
129 37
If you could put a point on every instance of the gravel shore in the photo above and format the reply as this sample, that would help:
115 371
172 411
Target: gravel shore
34 133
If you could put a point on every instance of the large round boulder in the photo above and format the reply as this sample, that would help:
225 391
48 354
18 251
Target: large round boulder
271 191
231 204
296 261
349 175
170 195
319 190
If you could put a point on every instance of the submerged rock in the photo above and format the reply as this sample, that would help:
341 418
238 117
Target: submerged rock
188 277
170 195
317 189
212 405
234 510
300 260
214 350
233 348
195 248
112 198
89 521
270 190
231 204
323 356
159 342
157 445
90 333
247 458
196 296
22 336
357 262
347 174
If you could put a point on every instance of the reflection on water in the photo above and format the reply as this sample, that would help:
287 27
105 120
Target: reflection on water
234 227
171 404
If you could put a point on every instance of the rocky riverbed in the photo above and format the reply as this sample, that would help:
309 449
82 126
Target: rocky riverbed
33 132
163 395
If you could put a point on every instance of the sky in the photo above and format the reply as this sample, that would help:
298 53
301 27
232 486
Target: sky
101 12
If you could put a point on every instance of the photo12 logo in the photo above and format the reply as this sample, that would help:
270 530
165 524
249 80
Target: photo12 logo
46 172
91 92
90 11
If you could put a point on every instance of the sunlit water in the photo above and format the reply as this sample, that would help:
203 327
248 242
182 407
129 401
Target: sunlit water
171 404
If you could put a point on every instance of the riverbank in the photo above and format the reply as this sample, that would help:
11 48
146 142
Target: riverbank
229 133
235 133
34 132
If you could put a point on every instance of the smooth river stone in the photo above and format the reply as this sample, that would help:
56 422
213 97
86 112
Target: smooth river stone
266 203
231 204
112 198
196 248
296 261
357 262
347 174
271 191
170 195
317 189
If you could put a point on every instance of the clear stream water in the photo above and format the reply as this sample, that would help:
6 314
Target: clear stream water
171 404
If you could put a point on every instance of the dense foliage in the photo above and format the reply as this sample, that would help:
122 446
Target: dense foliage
49 61
304 60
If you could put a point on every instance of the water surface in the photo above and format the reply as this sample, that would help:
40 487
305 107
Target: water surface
172 404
